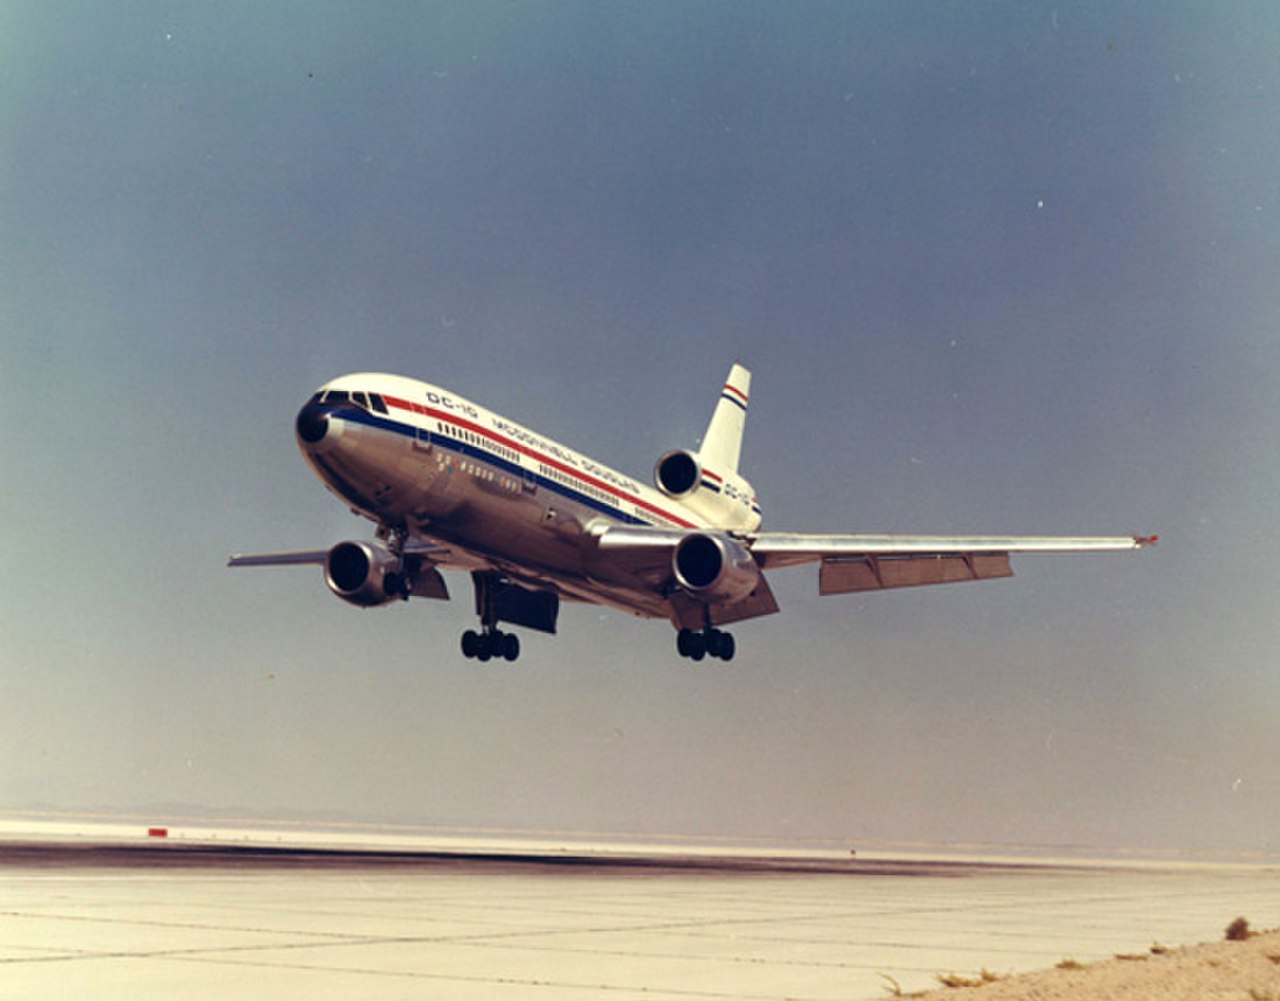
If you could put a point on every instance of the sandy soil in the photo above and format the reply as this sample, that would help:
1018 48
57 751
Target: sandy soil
1218 971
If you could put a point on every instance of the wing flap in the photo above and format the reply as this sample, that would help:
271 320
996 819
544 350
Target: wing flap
846 574
688 613
429 583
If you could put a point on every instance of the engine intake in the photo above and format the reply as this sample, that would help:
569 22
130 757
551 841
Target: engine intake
678 474
363 573
715 568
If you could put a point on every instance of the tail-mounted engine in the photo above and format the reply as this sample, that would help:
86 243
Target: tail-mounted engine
678 474
363 573
725 500
715 568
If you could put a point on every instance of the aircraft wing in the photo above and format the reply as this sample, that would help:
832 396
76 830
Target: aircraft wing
416 547
422 558
873 562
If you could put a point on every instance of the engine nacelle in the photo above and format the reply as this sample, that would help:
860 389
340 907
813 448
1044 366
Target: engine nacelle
678 473
363 573
715 568
716 497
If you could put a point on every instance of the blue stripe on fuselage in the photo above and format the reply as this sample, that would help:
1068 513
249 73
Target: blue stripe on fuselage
357 416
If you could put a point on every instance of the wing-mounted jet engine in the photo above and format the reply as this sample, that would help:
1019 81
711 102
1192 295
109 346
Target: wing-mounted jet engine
363 573
715 569
369 574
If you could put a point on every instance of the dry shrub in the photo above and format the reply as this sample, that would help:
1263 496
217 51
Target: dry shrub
1238 930
895 989
956 980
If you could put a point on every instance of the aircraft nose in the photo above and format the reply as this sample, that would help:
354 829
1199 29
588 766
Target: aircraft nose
313 423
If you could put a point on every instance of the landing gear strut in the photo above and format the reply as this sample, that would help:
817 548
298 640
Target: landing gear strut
399 583
708 642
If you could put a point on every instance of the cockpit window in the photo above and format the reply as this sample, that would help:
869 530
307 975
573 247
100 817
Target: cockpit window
369 401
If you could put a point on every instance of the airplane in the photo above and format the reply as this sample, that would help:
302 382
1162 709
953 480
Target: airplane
451 484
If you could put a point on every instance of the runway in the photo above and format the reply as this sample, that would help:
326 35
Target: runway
154 919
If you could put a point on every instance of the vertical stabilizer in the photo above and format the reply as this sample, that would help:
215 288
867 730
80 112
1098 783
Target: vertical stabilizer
722 444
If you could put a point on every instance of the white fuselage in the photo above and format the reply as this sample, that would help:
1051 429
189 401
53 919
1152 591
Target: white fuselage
406 453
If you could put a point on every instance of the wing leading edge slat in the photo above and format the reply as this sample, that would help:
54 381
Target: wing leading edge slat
789 548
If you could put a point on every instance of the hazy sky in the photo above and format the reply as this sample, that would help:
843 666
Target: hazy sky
995 268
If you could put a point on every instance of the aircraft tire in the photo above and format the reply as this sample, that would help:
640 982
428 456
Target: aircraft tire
510 646
470 644
682 641
697 646
728 647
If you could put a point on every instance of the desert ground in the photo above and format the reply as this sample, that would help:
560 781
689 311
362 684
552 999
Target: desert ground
1216 971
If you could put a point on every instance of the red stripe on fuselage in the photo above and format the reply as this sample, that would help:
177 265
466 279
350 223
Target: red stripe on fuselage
448 418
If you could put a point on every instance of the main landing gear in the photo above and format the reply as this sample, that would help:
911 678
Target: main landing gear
709 642
500 600
491 643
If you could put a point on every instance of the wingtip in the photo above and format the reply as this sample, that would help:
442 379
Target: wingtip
1144 541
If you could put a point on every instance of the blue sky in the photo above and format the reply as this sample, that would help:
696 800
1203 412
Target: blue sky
995 268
